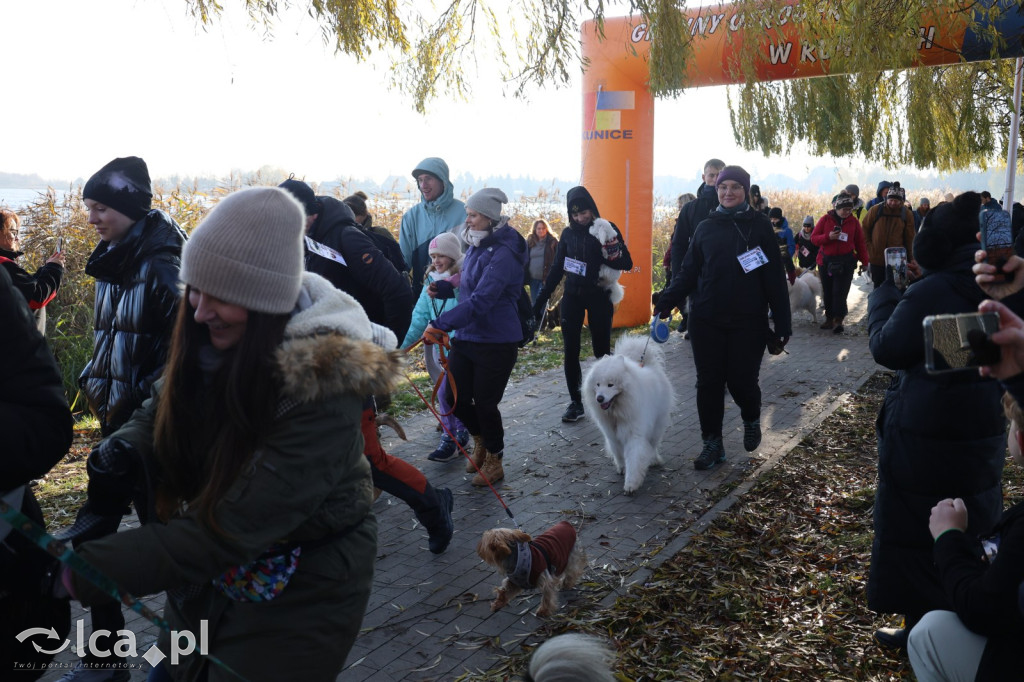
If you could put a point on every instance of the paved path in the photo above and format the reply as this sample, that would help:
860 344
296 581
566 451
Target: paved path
429 617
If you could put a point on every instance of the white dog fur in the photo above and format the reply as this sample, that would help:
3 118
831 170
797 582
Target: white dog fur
802 298
607 278
631 404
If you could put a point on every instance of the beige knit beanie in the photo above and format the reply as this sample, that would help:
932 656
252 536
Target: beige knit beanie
248 251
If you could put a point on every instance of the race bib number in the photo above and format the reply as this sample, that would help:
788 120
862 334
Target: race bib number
325 251
804 252
576 267
752 260
844 237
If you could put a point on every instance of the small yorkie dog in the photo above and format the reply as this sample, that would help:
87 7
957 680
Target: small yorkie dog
550 562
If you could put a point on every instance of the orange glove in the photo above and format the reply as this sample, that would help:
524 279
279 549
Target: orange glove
432 335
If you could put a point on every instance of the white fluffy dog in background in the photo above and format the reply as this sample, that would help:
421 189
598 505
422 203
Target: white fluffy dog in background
631 403
802 298
607 278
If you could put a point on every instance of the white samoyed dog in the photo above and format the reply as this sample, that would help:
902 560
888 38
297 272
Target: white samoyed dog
802 298
811 277
607 278
630 398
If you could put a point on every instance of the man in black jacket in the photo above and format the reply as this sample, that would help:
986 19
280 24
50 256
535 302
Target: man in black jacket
689 217
339 251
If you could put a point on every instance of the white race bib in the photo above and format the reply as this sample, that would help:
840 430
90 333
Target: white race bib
844 237
752 260
576 267
804 251
325 251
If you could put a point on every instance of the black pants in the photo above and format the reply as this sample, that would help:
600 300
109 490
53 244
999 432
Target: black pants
877 274
481 372
727 354
835 286
598 308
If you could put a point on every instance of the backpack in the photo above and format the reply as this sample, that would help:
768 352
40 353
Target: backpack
526 319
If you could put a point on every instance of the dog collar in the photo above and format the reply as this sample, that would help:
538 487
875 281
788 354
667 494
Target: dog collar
524 564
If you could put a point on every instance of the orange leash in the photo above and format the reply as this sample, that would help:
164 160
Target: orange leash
442 356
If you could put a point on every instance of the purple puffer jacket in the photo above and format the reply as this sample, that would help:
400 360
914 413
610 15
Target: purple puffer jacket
492 281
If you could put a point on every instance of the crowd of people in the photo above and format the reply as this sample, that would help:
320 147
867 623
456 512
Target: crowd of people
239 374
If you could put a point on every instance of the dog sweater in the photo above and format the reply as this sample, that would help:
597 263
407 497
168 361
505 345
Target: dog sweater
548 551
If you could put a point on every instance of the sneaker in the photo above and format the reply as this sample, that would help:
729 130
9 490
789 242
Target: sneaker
438 542
838 329
446 450
82 674
712 455
751 435
573 413
462 436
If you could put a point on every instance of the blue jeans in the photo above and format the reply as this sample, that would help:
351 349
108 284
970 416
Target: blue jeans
535 285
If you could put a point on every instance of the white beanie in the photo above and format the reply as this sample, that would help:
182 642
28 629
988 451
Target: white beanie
248 251
446 244
488 202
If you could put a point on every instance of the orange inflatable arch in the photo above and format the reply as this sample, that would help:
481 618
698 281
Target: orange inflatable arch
618 109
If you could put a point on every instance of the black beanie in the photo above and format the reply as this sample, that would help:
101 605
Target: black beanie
945 228
578 199
123 185
775 212
304 193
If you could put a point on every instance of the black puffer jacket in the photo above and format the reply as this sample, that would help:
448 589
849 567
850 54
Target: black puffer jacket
714 280
368 276
136 301
939 435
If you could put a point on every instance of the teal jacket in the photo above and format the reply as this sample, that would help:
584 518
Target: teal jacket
427 219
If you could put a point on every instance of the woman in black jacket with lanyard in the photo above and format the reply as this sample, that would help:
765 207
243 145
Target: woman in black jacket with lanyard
733 274
579 258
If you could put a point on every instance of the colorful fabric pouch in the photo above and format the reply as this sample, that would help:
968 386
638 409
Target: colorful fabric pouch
262 579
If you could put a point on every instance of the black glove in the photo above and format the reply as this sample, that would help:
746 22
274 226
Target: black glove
443 289
113 468
663 308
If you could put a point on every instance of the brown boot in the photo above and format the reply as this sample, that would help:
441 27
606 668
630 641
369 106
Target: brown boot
491 471
477 455
827 324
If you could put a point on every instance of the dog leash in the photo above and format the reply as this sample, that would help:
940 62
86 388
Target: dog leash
63 552
462 450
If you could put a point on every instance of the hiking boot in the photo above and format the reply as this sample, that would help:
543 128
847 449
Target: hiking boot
491 471
827 324
476 458
712 455
751 435
892 638
573 413
438 538
82 674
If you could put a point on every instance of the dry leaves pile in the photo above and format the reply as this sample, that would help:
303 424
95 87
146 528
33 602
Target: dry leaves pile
774 589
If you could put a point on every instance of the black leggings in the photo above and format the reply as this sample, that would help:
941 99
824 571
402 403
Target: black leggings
598 308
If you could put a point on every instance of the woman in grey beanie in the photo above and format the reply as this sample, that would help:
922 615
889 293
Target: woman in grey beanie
487 318
252 443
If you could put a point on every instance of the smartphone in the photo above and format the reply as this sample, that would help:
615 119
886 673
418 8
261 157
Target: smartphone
996 240
896 266
60 244
954 343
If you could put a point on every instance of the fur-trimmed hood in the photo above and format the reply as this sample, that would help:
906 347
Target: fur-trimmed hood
331 347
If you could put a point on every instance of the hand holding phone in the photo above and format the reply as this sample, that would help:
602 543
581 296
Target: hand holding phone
896 266
997 241
1010 339
960 342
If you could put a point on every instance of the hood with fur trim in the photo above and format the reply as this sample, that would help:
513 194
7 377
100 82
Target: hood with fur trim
331 347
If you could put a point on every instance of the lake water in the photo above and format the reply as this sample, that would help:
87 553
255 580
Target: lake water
15 198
